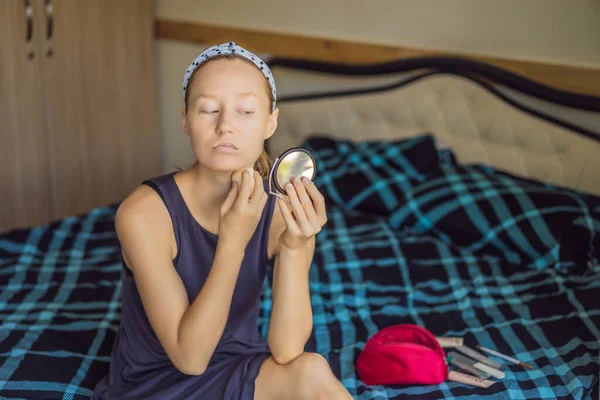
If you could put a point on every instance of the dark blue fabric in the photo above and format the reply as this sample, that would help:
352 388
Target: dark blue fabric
493 212
139 366
371 176
418 187
59 306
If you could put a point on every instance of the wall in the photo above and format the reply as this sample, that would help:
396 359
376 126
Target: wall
555 31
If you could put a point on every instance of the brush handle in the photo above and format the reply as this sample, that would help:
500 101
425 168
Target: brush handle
495 353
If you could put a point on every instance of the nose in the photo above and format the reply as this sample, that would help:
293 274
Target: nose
225 122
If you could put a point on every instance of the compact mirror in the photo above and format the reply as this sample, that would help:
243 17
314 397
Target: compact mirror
294 162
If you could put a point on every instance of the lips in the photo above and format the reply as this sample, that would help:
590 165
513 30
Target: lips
225 144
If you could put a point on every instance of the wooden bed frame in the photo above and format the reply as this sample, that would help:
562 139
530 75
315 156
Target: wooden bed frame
535 120
572 78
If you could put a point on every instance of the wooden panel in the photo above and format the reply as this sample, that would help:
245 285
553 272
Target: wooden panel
24 162
101 101
572 78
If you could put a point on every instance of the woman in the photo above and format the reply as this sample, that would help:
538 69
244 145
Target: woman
195 247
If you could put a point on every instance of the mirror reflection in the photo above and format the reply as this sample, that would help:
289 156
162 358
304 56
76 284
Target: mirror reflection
295 162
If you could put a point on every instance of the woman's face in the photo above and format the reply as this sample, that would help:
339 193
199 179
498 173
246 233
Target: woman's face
228 116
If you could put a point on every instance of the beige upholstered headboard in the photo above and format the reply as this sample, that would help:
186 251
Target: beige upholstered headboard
481 120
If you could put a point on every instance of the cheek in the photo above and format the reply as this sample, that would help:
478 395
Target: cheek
254 131
252 145
200 129
199 134
198 124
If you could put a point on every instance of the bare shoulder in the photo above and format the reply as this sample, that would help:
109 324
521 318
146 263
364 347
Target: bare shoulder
142 219
142 206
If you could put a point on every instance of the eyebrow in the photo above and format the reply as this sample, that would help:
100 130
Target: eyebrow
212 96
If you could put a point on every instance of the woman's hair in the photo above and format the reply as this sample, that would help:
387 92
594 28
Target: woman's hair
265 162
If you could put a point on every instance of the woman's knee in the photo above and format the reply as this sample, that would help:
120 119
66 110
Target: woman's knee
309 376
313 374
310 364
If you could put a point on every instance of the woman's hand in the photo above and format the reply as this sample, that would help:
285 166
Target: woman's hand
242 209
307 214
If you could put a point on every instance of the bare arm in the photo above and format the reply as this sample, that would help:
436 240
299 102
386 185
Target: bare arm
189 333
291 316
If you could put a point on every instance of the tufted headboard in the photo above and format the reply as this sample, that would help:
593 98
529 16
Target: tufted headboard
483 113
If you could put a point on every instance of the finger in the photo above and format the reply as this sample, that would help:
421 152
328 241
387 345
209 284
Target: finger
297 209
258 188
290 222
264 200
260 202
246 188
231 196
317 199
307 204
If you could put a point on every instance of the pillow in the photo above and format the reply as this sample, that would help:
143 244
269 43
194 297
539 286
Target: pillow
495 213
371 176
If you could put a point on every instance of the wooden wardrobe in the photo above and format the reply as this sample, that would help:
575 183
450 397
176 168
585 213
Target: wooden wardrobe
78 112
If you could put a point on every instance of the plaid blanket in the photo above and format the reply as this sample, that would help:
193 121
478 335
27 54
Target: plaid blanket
59 306
367 276
416 186
60 287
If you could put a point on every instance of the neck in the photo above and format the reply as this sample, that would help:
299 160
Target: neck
210 188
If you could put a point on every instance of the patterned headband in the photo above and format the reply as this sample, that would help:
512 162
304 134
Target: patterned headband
230 48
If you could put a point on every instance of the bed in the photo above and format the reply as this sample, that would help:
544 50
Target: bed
461 198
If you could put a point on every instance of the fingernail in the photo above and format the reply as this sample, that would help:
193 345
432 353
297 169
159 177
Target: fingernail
305 180
290 187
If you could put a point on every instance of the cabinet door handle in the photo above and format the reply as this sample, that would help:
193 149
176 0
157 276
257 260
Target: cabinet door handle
49 19
29 16
49 26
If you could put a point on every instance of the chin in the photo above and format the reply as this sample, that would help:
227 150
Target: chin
222 164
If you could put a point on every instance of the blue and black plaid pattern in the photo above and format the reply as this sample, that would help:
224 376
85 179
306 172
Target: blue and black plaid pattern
59 306
60 286
417 187
371 176
491 212
366 276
